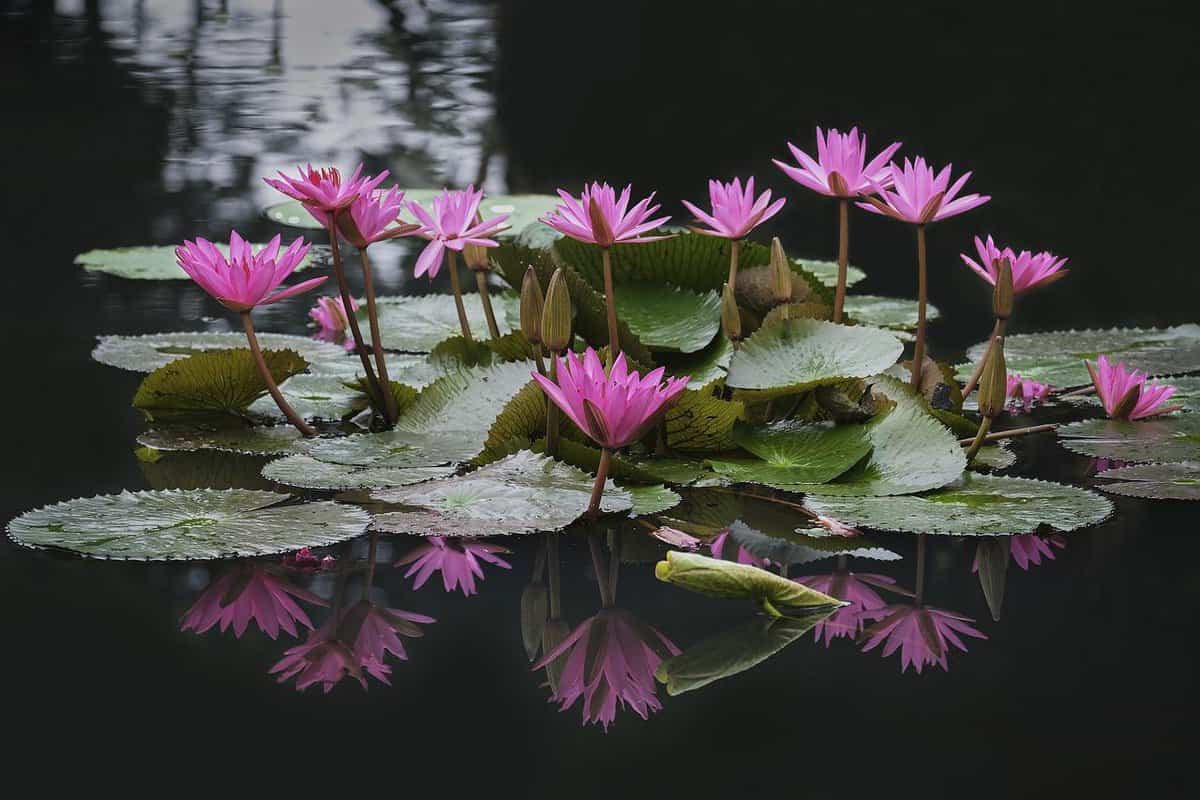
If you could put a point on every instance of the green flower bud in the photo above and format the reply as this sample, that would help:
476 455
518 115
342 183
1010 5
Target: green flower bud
556 314
781 274
532 302
1002 296
993 383
731 318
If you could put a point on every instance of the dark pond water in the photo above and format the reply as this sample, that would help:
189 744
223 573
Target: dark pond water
145 122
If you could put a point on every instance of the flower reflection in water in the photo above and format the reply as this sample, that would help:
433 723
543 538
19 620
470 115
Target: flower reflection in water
459 561
865 603
249 591
1029 548
724 548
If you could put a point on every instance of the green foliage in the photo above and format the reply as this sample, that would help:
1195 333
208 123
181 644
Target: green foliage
727 579
218 381
670 319
1155 481
1174 437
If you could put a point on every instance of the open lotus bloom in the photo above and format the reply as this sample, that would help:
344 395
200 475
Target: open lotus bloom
735 211
865 603
1126 394
248 592
1029 270
611 660
246 279
840 168
459 560
598 217
372 218
322 192
616 409
919 195
1024 392
922 634
451 223
1029 548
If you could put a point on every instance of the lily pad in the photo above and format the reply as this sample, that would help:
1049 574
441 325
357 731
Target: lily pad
523 209
217 381
827 271
153 350
313 397
798 354
416 324
150 263
187 524
665 318
1170 438
306 472
230 438
990 505
1057 357
894 313
700 422
1187 391
795 452
1155 481
650 499
522 493
726 579
994 457
795 547
701 368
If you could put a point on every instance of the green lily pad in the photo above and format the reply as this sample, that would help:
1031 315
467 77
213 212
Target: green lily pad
1057 357
292 214
521 493
650 499
665 318
313 397
727 579
797 547
894 313
226 437
1171 438
798 354
216 381
305 472
153 350
994 457
827 271
795 452
700 422
1155 481
1187 391
152 263
417 323
187 524
701 368
989 505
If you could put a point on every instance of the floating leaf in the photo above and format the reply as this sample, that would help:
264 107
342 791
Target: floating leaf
153 350
650 499
522 209
699 422
1187 391
1171 438
218 381
665 318
306 472
227 436
792 451
827 271
1057 357
312 397
188 524
976 504
1155 481
727 579
886 312
701 368
797 547
417 323
798 354
522 493
994 457
152 263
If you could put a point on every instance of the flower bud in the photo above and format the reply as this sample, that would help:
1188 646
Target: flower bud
475 256
349 230
993 383
601 231
556 314
781 274
731 318
531 307
1002 295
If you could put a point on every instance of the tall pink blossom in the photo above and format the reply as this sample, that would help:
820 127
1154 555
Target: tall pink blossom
450 223
459 560
599 217
372 217
865 603
1029 270
611 660
1126 394
841 168
920 195
249 592
922 634
323 192
735 211
246 279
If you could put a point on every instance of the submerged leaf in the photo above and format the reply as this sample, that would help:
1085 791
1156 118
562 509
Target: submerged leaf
218 381
1155 481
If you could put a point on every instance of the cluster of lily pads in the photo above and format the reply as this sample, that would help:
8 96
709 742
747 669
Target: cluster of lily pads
728 366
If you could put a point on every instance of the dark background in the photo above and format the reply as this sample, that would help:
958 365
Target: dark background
1080 123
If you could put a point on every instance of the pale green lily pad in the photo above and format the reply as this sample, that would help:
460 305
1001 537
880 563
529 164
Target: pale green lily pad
1187 391
187 524
417 323
988 505
827 271
797 547
795 452
1057 357
292 214
734 651
230 438
994 457
727 579
521 493
1155 481
671 319
152 263
306 472
153 350
894 313
215 381
1171 438
650 499
798 354
312 397
704 367
523 209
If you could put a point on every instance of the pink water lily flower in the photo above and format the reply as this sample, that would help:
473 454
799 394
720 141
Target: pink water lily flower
322 192
735 211
724 548
1029 270
1024 392
599 217
865 603
611 660
248 592
323 659
1029 548
330 315
245 279
450 223
840 168
306 562
615 409
459 561
1126 394
922 634
372 218
919 195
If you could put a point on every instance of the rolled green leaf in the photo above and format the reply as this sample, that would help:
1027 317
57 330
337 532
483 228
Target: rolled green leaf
719 578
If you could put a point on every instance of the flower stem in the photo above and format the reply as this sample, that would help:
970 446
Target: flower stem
370 576
552 412
269 380
997 331
389 398
598 486
486 297
452 265
537 357
919 592
614 341
984 427
839 299
553 575
1011 433
918 363
606 598
735 249
614 568
355 331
